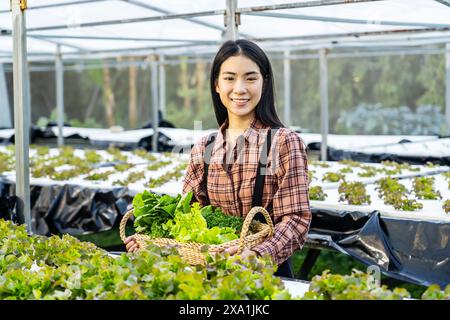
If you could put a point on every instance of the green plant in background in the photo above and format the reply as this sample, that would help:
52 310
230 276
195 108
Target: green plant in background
158 165
174 174
350 163
99 176
91 156
446 206
354 193
447 177
40 150
430 164
316 193
357 285
368 171
424 188
394 193
346 170
132 177
316 163
121 167
6 162
145 155
434 292
311 176
333 177
117 154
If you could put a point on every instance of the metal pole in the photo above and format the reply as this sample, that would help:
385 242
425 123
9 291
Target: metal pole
323 102
5 119
231 32
154 88
447 87
21 112
287 88
162 86
59 75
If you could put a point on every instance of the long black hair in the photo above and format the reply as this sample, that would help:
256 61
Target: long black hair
265 109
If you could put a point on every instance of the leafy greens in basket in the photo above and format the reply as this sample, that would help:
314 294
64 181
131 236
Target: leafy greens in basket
175 218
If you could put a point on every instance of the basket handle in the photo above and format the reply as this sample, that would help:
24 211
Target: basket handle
246 225
123 223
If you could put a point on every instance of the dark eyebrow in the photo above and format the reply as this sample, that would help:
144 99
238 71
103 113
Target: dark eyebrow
245 74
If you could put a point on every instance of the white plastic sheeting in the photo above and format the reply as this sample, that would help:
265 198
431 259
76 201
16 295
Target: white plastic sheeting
60 24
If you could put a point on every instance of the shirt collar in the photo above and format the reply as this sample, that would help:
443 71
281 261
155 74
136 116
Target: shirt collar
251 134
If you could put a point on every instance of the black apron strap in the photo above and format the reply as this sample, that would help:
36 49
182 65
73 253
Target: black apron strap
206 160
261 178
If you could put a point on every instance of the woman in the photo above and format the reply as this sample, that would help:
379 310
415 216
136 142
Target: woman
227 170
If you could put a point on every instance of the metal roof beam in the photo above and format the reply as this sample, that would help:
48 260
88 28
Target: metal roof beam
204 13
134 20
337 36
57 5
6 32
296 5
120 38
157 9
345 20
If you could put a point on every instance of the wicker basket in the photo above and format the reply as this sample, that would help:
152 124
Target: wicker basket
192 252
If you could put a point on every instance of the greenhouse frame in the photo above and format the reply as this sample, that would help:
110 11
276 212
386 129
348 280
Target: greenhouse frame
64 35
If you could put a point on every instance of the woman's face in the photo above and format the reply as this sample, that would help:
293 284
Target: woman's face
239 86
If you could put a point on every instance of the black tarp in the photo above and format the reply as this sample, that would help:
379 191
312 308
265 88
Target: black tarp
72 209
405 249
409 250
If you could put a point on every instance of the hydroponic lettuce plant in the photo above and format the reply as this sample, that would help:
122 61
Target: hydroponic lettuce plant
333 177
37 267
350 163
6 162
316 193
424 188
356 286
174 174
368 171
434 292
394 193
316 163
346 170
311 176
447 177
354 193
132 177
446 206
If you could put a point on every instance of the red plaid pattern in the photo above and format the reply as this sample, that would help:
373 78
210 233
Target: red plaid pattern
231 180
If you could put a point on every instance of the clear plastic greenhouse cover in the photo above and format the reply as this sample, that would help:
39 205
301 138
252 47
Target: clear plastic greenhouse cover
49 24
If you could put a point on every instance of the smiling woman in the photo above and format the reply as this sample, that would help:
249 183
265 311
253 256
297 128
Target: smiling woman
239 167
239 86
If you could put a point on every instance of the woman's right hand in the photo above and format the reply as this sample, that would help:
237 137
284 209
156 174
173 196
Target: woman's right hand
131 244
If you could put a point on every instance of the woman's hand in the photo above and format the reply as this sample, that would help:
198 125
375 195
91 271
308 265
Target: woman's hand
131 244
244 254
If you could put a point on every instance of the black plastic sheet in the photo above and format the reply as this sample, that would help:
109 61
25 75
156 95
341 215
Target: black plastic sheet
337 155
72 209
405 249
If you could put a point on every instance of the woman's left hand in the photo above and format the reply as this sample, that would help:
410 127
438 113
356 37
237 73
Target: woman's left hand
244 254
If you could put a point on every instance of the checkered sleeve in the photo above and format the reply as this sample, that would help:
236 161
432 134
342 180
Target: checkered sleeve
291 210
194 175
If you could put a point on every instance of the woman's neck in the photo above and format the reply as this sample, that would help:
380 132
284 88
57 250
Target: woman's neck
239 124
236 127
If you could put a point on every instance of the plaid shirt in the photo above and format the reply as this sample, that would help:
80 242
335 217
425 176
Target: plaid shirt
231 180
